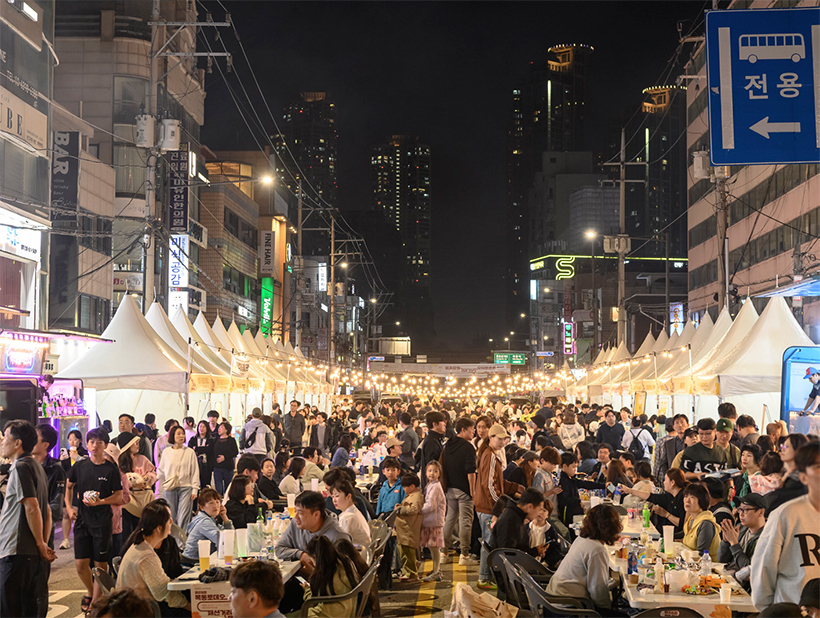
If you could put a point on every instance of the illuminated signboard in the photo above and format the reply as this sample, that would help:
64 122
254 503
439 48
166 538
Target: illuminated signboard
562 266
675 318
569 338
178 262
322 277
510 358
22 354
266 307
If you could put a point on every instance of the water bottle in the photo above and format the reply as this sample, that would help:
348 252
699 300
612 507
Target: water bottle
632 561
616 496
706 564
659 580
646 515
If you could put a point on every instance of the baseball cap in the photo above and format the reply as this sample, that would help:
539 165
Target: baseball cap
498 431
810 372
724 424
393 442
755 501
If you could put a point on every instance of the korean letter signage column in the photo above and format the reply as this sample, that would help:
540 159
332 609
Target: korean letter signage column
266 254
65 172
763 73
569 338
178 262
178 200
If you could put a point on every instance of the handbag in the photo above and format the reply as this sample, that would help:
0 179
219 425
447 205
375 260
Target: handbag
140 498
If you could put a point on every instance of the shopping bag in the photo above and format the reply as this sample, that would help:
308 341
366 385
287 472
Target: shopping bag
467 603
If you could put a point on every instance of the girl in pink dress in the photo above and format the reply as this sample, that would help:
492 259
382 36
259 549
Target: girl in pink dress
432 523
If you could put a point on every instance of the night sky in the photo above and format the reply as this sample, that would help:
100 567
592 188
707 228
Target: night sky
443 71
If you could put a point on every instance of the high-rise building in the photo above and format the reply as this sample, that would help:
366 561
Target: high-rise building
306 146
547 114
401 190
659 201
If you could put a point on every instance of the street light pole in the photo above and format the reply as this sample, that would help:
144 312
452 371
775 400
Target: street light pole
591 235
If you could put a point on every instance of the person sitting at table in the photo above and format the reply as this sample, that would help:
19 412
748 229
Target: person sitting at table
121 604
313 465
586 456
335 475
211 518
616 474
511 530
543 533
312 519
644 473
351 520
333 575
241 507
265 484
700 530
256 590
141 569
291 483
584 571
667 507
569 502
738 544
341 456
280 465
720 507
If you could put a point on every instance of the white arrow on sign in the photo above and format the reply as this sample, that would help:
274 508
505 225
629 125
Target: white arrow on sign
764 127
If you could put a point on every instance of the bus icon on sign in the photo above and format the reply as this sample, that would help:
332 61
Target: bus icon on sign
755 47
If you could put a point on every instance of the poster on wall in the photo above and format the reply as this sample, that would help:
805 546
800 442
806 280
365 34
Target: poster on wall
640 403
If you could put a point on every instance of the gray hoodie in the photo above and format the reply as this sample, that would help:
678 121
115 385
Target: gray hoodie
263 441
291 544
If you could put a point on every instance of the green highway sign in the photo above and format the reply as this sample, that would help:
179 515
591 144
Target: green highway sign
510 358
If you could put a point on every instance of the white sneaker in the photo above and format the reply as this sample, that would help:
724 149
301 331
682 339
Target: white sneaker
64 544
467 561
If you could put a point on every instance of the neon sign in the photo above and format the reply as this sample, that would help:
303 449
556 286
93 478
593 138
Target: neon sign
566 267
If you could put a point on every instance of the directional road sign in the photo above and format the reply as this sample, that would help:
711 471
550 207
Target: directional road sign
763 74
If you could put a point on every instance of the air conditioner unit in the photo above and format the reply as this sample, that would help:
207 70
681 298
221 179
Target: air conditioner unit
700 165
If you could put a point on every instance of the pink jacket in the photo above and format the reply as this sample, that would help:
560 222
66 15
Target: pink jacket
117 509
435 504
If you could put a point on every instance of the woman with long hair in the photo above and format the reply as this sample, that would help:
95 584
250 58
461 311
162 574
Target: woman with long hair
280 467
334 575
179 476
482 427
291 483
341 456
668 506
203 444
141 569
225 452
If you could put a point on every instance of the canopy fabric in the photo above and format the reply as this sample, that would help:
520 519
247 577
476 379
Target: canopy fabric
646 346
209 337
136 357
647 367
187 331
745 320
682 383
162 326
681 362
754 365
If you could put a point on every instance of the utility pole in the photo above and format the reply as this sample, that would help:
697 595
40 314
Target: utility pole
623 242
300 272
723 238
797 301
666 278
331 331
347 347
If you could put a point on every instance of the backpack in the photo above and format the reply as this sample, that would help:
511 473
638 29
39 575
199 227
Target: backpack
249 440
636 447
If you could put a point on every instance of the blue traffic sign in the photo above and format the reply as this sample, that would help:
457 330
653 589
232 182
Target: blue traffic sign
763 75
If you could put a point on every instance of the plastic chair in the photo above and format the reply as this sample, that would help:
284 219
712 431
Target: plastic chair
390 519
115 564
543 605
179 534
668 612
103 579
155 608
497 560
361 593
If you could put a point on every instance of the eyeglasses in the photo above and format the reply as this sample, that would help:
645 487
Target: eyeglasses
747 509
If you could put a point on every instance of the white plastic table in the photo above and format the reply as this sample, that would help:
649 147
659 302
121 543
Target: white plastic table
633 528
191 577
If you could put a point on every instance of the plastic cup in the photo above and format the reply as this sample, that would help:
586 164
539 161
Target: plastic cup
204 555
314 484
227 546
725 593
242 542
292 505
668 539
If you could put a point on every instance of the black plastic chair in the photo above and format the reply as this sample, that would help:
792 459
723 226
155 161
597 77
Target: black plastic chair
361 593
537 570
544 606
103 579
115 565
668 612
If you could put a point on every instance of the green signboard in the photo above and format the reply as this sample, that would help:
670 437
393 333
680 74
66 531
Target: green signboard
266 308
510 358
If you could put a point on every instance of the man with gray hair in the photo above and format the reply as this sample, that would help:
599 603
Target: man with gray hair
256 438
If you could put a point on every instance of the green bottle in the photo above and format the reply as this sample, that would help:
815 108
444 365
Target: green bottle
260 519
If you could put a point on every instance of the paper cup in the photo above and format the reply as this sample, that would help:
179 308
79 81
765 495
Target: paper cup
227 546
204 548
725 593
594 501
242 541
314 485
668 539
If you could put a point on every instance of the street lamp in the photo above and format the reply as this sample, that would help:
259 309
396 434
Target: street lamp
592 235
546 290
267 180
523 315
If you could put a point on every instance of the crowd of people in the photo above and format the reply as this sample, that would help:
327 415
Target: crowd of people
455 481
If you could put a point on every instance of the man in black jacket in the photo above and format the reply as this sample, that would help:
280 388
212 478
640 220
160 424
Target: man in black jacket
433 444
458 460
409 438
610 431
511 530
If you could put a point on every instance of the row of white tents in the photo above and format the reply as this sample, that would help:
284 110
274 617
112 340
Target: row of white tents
174 368
738 360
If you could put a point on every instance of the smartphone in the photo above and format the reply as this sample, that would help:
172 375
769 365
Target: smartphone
611 488
301 580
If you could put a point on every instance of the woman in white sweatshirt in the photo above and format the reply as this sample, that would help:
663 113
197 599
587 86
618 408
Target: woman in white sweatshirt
571 432
178 475
584 571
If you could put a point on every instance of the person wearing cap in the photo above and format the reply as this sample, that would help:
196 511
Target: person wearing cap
490 486
813 376
394 448
458 460
723 439
739 542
